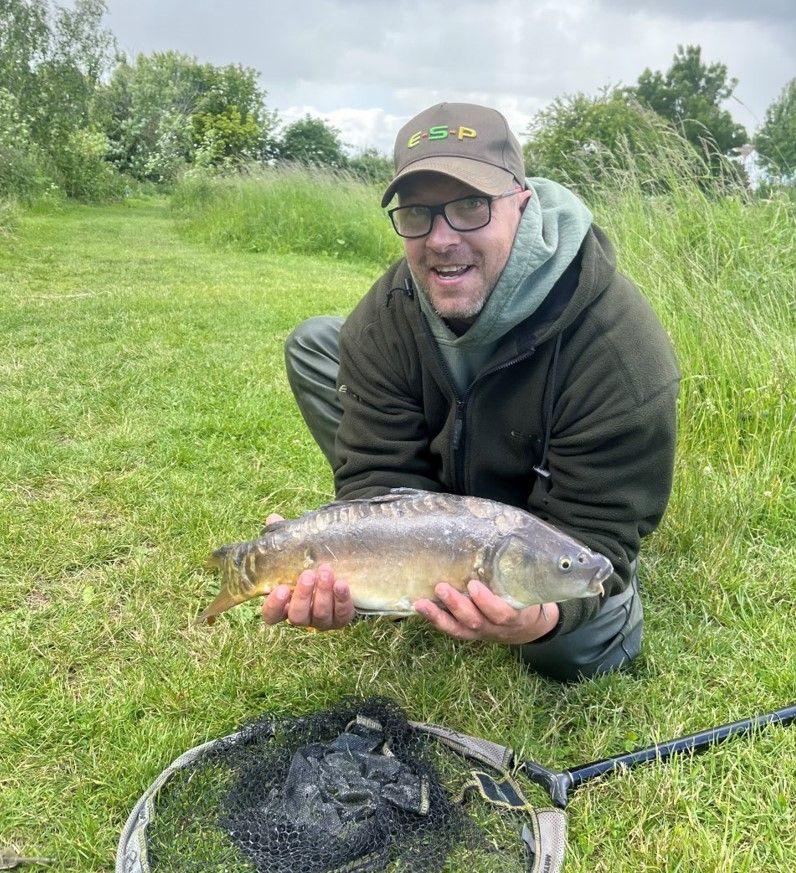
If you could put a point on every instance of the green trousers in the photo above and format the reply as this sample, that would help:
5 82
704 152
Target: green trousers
610 640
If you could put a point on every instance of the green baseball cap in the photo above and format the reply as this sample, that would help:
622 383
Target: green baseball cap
462 140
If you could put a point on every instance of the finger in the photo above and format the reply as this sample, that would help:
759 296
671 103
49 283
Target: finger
493 608
322 604
275 605
300 607
273 518
443 621
460 606
343 604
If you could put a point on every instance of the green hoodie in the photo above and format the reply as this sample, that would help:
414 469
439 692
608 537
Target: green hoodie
552 229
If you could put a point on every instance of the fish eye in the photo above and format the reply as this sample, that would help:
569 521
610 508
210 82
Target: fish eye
565 563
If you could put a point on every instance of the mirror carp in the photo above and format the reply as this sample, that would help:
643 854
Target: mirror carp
393 550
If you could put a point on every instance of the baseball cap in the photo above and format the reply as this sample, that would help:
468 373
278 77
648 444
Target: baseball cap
467 142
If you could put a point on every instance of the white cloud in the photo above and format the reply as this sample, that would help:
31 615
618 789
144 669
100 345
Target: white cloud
388 60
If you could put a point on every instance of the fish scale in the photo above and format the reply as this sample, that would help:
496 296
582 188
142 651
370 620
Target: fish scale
392 550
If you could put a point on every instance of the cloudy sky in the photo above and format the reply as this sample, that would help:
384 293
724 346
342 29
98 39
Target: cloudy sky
367 66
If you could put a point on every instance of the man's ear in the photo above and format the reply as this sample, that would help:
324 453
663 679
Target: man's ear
524 197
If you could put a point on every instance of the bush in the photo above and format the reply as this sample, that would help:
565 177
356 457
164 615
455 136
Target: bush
22 162
372 167
580 139
9 216
610 142
83 172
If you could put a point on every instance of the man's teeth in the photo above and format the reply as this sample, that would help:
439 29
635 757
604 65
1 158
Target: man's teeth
452 271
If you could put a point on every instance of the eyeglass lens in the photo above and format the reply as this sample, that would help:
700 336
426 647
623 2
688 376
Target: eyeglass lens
467 213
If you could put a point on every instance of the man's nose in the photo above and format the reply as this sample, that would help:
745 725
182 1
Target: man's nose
442 235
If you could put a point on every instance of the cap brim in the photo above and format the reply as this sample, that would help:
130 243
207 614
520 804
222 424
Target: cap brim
483 177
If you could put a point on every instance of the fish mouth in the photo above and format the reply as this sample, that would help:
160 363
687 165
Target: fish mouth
600 575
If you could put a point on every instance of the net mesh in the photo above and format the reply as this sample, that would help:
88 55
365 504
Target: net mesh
352 788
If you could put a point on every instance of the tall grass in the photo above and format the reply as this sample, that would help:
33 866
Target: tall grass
287 209
718 266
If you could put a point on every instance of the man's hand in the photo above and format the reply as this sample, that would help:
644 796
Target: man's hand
318 600
484 616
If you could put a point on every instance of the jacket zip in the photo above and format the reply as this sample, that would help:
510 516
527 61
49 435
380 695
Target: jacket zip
462 402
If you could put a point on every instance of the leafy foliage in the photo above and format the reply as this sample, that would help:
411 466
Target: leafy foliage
776 140
689 95
166 110
579 139
52 61
21 160
312 141
371 166
81 167
225 138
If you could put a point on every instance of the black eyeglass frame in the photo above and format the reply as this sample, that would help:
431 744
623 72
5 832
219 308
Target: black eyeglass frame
434 211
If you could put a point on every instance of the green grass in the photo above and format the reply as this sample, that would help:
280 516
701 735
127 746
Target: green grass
287 209
146 419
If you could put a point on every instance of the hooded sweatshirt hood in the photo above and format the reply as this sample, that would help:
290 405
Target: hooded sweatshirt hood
550 233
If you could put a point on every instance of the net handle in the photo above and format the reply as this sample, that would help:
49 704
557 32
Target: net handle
499 757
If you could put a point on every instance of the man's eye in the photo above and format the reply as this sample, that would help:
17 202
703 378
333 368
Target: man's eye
471 203
416 211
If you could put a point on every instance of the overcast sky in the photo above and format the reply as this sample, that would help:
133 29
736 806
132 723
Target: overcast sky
367 66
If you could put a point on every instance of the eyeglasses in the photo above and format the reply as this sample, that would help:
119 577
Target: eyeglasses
462 214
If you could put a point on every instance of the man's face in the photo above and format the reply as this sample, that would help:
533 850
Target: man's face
482 253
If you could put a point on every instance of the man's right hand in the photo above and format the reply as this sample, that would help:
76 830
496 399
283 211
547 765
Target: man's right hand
318 599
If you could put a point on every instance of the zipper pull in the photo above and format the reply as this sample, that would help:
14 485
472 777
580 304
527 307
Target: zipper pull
458 426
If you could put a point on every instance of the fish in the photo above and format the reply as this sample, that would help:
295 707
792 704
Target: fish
393 549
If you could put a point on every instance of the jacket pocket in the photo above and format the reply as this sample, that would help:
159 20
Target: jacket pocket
344 389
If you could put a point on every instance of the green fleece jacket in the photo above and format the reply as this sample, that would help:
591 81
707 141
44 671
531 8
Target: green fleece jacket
612 410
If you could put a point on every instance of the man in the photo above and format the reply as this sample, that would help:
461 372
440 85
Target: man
503 357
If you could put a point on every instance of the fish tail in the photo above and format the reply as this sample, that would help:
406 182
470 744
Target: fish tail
224 601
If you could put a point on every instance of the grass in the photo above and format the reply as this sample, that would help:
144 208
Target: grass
288 209
146 419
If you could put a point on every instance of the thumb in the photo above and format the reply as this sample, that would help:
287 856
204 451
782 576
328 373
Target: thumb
273 518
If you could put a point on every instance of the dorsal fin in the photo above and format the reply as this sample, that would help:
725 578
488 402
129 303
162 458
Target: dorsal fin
392 495
274 525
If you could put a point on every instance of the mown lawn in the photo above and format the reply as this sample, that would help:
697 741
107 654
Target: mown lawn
145 419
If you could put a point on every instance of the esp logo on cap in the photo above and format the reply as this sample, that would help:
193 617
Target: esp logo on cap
441 131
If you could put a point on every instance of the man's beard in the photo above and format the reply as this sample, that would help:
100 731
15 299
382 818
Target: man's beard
461 313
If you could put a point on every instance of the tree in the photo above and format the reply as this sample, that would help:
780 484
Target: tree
582 139
52 60
164 108
776 140
311 141
689 95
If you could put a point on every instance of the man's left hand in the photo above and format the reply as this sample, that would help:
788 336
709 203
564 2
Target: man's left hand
485 616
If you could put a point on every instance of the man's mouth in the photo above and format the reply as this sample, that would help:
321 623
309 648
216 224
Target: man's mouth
451 273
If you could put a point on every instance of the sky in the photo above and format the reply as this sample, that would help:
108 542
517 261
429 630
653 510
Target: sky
368 66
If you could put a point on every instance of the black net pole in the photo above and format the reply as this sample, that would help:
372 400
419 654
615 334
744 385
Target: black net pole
559 784
692 743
